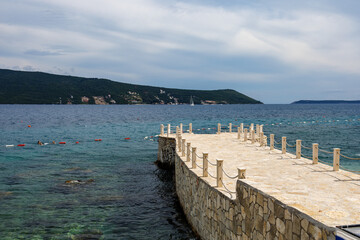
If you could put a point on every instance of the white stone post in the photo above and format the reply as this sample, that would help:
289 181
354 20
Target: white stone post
241 127
219 128
257 129
261 128
193 157
251 127
261 139
265 140
238 133
252 136
177 132
219 172
180 143
162 130
283 145
315 153
241 173
272 141
168 130
298 149
181 128
190 127
188 152
230 127
245 134
183 148
336 162
205 164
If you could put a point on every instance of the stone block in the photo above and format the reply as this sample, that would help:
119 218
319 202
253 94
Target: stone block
305 224
288 229
314 232
279 212
280 225
304 235
296 226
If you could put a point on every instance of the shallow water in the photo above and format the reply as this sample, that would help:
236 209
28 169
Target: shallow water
129 198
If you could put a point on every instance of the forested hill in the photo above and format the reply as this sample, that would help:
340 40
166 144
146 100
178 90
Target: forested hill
20 87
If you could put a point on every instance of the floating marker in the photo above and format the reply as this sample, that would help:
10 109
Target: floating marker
29 126
9 145
21 145
98 140
62 142
77 142
127 138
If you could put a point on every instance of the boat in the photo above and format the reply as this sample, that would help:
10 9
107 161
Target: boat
191 101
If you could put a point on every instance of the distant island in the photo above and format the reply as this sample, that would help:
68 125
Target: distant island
326 102
21 87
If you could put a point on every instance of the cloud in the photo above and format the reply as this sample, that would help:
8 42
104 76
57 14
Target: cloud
162 42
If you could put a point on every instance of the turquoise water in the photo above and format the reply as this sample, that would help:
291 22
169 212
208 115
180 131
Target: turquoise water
121 194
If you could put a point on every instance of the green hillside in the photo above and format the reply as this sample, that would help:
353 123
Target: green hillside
19 87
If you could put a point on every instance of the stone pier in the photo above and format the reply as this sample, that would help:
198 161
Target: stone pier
282 196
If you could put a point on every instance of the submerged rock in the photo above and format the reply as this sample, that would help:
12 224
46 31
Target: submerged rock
76 182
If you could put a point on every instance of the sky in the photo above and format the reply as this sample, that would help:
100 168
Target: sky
276 51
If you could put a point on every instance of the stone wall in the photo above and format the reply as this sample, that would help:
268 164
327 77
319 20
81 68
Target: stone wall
166 153
253 215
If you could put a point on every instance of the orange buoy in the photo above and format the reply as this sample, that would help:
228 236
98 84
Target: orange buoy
62 142
29 126
77 142
127 138
21 145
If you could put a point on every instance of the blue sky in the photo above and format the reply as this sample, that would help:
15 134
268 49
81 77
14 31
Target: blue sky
275 51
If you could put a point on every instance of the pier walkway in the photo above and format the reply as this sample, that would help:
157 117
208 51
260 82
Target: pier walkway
331 197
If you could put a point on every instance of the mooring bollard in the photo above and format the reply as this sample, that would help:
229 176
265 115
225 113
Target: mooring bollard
219 172
205 164
239 132
241 173
162 130
230 127
190 127
193 157
298 149
168 130
219 128
257 129
188 152
315 153
181 128
283 145
183 148
245 134
241 127
251 127
336 162
272 141
261 128
252 136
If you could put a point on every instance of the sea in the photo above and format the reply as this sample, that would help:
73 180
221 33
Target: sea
111 189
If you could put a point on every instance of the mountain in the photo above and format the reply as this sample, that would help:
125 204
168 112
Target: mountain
20 87
326 102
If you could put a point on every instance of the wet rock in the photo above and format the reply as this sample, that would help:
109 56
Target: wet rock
76 182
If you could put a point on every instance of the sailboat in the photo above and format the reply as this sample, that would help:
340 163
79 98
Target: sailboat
191 101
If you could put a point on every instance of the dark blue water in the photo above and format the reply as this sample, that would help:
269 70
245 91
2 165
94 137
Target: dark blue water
121 193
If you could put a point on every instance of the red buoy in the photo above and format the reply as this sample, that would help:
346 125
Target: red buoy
21 145
29 126
62 142
98 140
127 138
77 142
